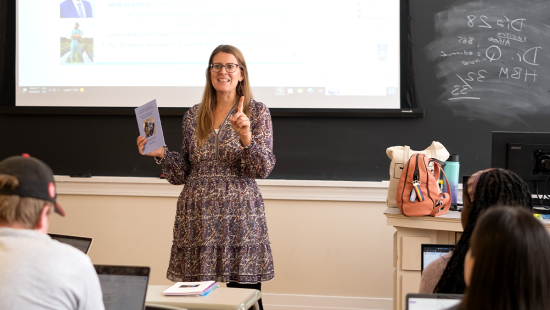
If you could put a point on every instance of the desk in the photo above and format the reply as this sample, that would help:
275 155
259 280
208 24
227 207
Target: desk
221 298
411 233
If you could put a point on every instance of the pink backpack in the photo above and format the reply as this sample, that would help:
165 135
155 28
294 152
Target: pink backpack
418 188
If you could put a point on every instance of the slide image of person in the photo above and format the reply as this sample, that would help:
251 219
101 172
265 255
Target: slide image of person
149 127
76 9
74 47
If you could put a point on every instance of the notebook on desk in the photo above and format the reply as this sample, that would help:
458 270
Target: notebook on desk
432 301
431 252
123 287
81 243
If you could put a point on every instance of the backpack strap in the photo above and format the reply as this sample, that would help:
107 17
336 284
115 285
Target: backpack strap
438 210
441 165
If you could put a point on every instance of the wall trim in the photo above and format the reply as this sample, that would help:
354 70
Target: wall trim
271 189
310 302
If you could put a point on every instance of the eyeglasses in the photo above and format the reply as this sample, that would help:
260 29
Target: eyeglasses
230 68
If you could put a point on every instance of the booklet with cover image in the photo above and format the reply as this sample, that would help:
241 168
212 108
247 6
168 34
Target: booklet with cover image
149 126
191 288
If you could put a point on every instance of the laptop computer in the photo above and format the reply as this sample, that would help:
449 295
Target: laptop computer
81 243
432 301
123 287
431 252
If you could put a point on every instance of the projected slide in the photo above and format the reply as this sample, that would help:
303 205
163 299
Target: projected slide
124 53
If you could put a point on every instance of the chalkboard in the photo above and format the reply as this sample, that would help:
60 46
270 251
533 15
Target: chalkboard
333 148
492 59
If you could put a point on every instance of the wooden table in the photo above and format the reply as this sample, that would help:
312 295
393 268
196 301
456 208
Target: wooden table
221 298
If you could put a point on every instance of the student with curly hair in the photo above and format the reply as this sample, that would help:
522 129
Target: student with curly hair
485 189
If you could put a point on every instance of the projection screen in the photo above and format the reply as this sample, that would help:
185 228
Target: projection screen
331 54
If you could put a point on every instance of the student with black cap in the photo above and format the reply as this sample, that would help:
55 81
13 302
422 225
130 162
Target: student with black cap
37 272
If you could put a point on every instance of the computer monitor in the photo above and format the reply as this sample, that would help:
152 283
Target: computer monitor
525 153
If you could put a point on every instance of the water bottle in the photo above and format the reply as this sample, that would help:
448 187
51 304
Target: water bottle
452 167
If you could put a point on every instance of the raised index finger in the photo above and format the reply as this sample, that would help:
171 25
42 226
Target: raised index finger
240 107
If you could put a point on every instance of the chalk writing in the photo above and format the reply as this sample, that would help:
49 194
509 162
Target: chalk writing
492 57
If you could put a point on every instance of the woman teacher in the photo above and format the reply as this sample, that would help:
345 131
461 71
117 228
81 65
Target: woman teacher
220 231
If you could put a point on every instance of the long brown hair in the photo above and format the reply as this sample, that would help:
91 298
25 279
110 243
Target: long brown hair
205 114
511 270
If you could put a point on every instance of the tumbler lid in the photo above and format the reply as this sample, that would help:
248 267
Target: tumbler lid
453 157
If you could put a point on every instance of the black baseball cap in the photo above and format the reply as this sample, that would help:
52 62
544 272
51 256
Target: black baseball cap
35 179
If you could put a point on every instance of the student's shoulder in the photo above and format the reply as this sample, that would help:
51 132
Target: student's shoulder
64 252
437 267
432 273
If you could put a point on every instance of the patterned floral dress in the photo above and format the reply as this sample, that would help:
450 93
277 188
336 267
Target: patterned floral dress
220 231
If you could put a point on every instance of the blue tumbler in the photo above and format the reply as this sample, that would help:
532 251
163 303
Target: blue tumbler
452 168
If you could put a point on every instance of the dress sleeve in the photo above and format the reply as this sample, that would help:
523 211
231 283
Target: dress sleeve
258 159
176 166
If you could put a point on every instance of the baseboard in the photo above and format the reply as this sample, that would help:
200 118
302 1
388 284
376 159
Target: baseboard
310 302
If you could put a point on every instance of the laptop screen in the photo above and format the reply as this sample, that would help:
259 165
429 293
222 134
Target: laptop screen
431 252
432 301
123 287
81 243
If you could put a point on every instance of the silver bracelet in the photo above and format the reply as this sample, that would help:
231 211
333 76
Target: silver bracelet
161 160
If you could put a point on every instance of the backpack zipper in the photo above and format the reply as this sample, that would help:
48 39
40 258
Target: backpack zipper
416 172
408 164
428 185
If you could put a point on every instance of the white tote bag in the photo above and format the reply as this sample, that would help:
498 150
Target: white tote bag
399 156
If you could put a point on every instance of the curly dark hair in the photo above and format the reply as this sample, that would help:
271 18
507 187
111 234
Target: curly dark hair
499 187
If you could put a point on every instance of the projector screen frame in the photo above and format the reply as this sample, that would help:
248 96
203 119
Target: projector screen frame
410 107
